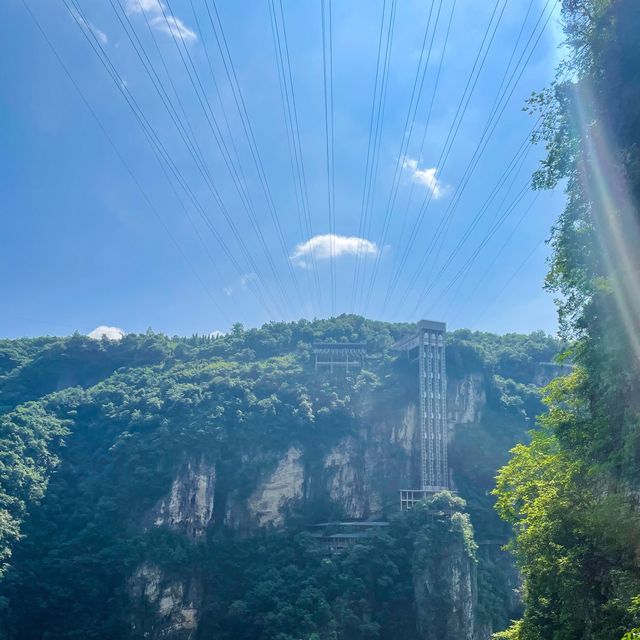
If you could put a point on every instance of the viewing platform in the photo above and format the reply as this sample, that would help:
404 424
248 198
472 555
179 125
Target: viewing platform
339 356
340 536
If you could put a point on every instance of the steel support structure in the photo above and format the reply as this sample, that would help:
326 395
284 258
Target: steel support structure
433 411
428 343
338 356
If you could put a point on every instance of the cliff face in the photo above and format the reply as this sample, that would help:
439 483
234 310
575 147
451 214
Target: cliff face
444 583
360 476
179 500
188 507
163 607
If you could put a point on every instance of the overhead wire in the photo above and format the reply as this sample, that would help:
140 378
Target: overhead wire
371 171
513 276
407 129
123 160
327 81
464 269
373 181
234 165
356 272
488 131
463 103
427 122
195 150
214 126
290 113
499 252
512 171
161 153
230 71
501 100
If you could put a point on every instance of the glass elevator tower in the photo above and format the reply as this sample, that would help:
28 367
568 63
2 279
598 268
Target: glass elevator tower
428 346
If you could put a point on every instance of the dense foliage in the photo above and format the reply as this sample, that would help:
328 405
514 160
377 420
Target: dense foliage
93 432
572 493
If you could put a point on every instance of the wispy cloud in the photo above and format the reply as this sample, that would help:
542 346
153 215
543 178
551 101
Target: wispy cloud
427 177
246 278
324 246
161 19
174 27
100 35
140 6
103 331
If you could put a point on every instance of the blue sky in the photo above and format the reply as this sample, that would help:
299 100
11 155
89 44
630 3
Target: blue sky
84 243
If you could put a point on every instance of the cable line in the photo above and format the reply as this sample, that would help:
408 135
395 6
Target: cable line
496 255
424 137
490 127
373 158
510 170
467 265
238 97
245 198
513 170
327 78
407 129
509 281
368 156
290 113
461 109
196 153
161 153
501 100
123 161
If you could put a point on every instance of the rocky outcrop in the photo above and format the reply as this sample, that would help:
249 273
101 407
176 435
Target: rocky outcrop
466 398
188 508
546 371
360 476
343 472
362 473
267 505
163 607
444 583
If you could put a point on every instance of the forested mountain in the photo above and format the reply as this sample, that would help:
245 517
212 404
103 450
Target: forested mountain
157 487
164 487
572 493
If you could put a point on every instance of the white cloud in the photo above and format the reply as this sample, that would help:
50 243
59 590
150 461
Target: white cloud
111 333
426 177
139 6
216 334
174 27
160 18
227 290
100 35
324 246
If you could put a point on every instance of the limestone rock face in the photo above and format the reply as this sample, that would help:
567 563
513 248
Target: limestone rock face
267 504
445 593
344 478
363 473
188 508
466 398
163 607
360 476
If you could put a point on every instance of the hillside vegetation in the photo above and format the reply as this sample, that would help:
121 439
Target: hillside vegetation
572 493
93 432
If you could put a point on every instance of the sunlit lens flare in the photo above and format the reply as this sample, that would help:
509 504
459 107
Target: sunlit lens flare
613 213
